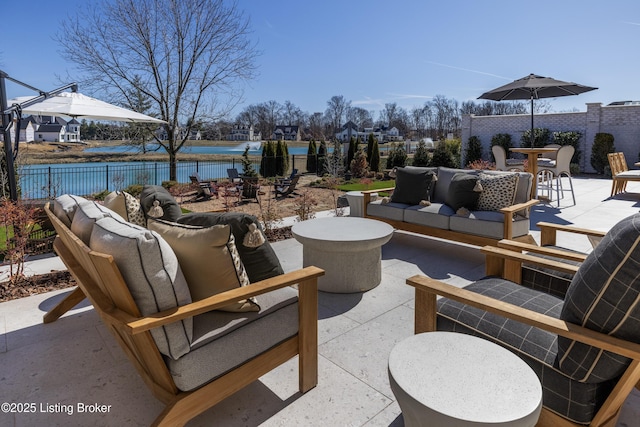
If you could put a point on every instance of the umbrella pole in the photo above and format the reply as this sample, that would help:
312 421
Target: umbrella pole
8 152
532 137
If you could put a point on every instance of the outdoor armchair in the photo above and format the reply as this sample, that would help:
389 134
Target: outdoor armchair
206 189
191 355
585 348
552 280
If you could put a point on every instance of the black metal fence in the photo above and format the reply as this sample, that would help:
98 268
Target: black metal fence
39 182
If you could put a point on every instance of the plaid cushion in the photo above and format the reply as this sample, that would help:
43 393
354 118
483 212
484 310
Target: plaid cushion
547 279
569 398
604 296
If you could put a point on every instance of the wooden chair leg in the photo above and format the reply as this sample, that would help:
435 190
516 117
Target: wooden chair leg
70 301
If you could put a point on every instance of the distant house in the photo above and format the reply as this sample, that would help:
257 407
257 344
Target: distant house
243 133
382 133
349 130
286 133
47 129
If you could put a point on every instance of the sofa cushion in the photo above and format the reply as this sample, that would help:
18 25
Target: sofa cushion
435 215
574 400
413 185
127 206
488 224
444 180
208 258
86 215
498 191
389 210
223 341
64 207
151 193
260 262
153 275
523 189
603 296
463 191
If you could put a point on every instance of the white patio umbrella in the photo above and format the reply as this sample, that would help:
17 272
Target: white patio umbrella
77 105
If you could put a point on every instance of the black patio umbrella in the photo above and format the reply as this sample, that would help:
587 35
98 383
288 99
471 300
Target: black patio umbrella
534 87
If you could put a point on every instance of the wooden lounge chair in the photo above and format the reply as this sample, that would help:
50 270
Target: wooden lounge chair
206 189
234 176
587 367
101 281
287 187
620 173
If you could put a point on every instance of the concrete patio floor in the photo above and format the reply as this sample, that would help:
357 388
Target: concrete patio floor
76 361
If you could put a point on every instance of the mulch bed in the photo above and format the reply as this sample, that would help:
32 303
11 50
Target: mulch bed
33 285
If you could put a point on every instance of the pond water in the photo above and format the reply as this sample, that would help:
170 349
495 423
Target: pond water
255 149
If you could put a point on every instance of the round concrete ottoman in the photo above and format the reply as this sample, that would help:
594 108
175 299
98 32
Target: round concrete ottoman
453 379
348 249
356 201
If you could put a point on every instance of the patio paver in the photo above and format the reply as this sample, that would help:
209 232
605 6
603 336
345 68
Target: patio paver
75 360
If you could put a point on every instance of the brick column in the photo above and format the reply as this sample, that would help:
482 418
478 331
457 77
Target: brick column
592 127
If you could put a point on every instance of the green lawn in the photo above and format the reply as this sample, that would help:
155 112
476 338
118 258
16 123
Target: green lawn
375 185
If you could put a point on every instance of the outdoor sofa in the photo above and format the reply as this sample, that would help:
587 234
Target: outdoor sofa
465 205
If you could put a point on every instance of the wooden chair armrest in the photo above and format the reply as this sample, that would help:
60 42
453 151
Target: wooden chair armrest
302 277
548 232
514 245
427 289
379 190
508 264
520 206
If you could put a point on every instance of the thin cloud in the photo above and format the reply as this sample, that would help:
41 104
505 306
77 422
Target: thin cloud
466 69
410 96
631 23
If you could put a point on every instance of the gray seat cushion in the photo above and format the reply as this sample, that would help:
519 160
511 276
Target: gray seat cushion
577 401
435 215
487 224
223 341
393 211
604 296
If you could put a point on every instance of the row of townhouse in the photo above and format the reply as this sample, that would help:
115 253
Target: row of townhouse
382 134
47 129
280 133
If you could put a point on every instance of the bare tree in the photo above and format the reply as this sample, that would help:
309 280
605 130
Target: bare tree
189 54
361 117
336 112
316 126
269 116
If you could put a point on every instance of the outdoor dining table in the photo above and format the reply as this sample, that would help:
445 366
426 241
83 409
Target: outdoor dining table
532 156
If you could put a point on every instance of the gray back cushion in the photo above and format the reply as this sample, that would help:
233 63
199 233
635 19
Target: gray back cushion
413 185
87 213
151 271
65 206
444 180
604 296
170 208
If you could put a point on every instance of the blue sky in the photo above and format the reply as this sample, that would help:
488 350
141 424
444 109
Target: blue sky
374 52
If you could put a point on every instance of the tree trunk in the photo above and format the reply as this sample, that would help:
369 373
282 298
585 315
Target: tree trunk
173 174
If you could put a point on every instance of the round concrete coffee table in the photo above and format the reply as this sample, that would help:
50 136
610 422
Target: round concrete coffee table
348 249
454 379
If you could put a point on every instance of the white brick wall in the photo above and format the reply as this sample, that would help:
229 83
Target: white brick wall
622 121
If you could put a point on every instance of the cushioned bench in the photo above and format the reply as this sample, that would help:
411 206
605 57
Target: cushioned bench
471 206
